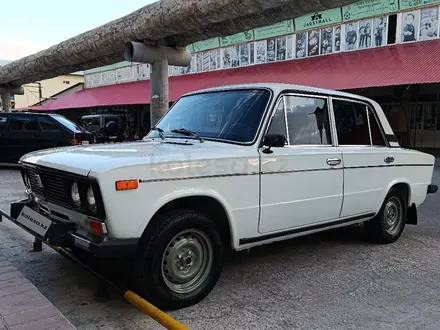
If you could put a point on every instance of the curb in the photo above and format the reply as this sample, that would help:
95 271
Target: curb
23 306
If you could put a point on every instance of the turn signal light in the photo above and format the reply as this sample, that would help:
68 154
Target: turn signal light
97 228
127 184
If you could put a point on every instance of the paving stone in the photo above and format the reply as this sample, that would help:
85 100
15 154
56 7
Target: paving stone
10 275
16 289
20 298
24 306
51 323
20 280
33 315
7 269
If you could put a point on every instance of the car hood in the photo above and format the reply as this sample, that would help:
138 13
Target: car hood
99 158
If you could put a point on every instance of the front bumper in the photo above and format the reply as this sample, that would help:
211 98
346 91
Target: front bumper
68 235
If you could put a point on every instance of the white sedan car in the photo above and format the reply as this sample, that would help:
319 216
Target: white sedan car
226 168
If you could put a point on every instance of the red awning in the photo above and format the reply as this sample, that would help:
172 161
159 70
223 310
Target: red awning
414 63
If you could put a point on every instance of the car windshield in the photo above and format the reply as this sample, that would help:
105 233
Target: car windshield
233 115
69 124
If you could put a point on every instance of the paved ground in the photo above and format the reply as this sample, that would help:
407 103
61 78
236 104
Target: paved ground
22 306
328 281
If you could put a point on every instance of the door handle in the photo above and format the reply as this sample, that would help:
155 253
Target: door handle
388 160
333 161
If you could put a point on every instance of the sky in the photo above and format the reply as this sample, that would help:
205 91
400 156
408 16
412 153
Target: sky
28 26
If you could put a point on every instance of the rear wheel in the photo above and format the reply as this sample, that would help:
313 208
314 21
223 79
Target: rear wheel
387 226
180 259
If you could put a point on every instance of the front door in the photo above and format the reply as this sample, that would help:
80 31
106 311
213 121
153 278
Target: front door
301 183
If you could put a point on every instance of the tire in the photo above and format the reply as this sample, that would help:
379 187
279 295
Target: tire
387 226
179 239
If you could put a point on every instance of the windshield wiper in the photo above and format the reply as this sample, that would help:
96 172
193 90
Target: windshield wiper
186 132
160 131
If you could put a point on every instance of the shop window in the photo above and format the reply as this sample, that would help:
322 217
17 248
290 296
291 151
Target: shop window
392 29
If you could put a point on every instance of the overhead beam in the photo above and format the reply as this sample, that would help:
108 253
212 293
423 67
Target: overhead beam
173 22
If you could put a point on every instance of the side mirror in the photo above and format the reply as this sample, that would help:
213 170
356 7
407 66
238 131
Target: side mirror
274 140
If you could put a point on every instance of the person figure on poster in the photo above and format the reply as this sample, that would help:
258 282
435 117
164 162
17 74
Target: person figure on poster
409 31
337 39
429 25
378 33
351 37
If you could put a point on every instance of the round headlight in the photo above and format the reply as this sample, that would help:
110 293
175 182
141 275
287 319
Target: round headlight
91 199
74 192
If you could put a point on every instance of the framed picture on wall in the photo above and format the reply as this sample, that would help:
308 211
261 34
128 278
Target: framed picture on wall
429 23
409 26
380 31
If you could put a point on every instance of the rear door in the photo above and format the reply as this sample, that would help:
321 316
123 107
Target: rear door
22 135
368 161
3 145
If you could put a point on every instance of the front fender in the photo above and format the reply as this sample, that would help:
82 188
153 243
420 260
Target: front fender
188 192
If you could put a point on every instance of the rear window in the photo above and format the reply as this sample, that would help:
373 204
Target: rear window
69 124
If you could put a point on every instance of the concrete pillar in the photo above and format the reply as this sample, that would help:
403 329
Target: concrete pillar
159 90
6 101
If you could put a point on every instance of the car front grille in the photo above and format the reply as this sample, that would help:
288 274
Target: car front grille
49 185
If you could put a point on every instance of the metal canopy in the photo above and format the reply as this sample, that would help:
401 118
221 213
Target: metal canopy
170 22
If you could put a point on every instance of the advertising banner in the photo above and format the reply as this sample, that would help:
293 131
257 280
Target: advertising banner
274 30
317 19
409 4
203 45
238 38
368 8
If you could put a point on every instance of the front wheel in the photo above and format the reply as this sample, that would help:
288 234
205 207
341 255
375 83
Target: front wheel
387 226
180 259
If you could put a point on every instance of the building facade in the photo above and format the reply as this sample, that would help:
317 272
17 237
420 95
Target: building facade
385 49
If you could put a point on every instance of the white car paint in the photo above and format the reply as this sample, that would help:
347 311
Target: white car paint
292 194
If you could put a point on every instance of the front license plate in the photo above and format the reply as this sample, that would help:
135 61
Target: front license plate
34 221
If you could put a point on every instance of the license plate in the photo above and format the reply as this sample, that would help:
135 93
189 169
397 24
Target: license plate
85 142
34 221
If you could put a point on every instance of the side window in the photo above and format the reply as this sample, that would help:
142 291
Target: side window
376 133
308 121
278 123
47 124
23 123
351 123
3 121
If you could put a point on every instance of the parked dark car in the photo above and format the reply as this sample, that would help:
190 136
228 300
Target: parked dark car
21 133
105 127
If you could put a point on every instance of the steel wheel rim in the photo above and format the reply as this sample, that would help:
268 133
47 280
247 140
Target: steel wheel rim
393 215
187 261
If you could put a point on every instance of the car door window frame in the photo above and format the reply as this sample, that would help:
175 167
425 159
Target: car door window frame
11 117
282 98
367 107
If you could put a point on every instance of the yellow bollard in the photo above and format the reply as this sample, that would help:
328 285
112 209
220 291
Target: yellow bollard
155 313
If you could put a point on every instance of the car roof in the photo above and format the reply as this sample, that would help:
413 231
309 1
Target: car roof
279 87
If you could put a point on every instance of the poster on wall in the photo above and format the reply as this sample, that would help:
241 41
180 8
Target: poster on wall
409 26
231 57
365 34
351 36
205 61
199 64
313 43
281 48
271 56
380 31
214 60
290 46
327 40
429 23
301 45
245 55
260 50
337 39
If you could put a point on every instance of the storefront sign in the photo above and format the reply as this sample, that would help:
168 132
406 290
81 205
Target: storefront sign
274 30
368 8
408 4
238 38
203 45
190 48
317 19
